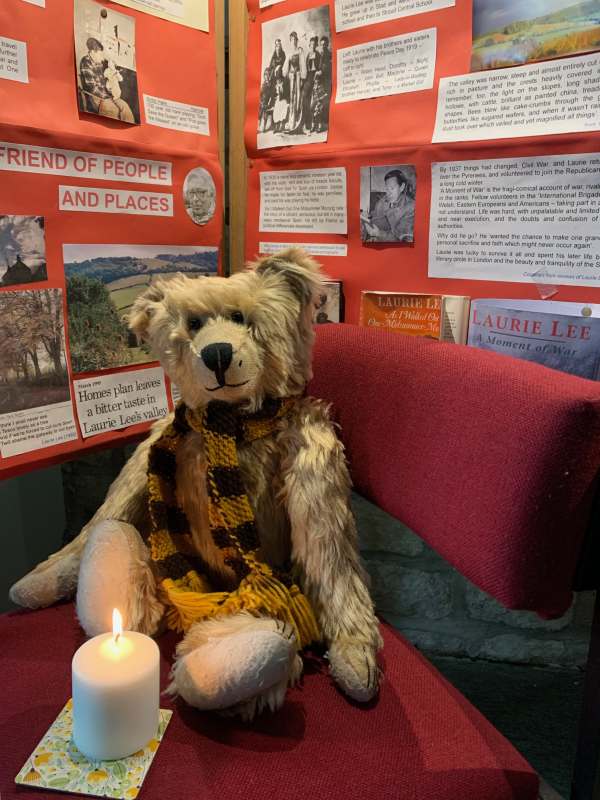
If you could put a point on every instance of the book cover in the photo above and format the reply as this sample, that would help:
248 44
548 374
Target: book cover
443 317
561 335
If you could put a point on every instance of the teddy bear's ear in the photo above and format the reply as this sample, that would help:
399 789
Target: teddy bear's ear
144 307
297 268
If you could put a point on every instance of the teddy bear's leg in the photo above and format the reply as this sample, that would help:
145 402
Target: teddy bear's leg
325 547
115 572
56 577
238 664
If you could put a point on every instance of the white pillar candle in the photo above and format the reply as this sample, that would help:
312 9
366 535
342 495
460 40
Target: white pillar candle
116 688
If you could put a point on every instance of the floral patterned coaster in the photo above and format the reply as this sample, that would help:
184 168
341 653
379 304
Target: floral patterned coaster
57 764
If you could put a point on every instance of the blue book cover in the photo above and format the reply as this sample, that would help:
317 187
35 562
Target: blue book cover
560 335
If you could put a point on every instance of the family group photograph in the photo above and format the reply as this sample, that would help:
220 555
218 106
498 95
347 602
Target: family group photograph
295 92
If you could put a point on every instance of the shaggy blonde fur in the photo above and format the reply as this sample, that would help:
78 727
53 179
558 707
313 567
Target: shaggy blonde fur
296 479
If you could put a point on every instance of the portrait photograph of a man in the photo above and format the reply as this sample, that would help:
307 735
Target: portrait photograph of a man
387 203
105 62
199 195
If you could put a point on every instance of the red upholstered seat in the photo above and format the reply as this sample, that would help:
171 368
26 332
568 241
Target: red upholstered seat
492 460
421 741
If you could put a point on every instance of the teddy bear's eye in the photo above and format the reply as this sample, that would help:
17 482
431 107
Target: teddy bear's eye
238 317
194 323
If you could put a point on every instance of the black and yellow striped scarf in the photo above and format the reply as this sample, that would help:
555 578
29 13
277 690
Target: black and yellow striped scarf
185 577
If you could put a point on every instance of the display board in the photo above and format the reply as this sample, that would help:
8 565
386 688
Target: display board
439 146
109 178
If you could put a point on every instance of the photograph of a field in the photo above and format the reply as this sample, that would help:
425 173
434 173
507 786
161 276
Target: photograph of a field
103 282
510 32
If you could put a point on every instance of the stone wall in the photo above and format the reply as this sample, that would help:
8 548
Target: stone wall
414 588
442 613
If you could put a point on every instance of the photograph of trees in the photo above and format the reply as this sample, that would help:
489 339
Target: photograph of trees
33 365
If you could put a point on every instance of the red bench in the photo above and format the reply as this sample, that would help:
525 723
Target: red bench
491 460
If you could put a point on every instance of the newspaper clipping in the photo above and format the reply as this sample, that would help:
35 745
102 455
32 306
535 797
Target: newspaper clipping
111 402
304 200
514 219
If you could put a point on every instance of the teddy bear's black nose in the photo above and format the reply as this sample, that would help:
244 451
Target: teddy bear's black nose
217 357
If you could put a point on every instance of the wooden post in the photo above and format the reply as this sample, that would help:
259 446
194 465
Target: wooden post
238 162
221 97
220 19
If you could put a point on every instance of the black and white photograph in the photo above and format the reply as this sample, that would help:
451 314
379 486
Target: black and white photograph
105 62
329 306
33 364
199 195
387 203
295 91
22 250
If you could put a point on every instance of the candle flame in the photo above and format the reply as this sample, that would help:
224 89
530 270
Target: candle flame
117 621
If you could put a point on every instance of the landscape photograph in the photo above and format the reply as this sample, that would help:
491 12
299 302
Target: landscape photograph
507 33
103 282
33 364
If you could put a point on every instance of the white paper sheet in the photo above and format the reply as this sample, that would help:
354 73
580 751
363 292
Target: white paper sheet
313 248
112 402
192 13
304 200
35 428
176 116
356 13
114 201
16 157
13 60
389 66
512 219
560 96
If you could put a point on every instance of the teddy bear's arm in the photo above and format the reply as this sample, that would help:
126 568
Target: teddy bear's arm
325 547
56 578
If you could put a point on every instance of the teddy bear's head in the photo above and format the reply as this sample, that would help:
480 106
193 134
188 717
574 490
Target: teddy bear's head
235 339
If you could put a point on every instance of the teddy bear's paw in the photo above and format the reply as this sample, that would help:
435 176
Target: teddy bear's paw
271 699
220 627
236 670
52 580
354 668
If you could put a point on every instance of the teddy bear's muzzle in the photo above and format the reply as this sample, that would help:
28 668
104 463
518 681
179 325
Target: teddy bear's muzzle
217 357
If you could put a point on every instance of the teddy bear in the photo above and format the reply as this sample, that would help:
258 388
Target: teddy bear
231 523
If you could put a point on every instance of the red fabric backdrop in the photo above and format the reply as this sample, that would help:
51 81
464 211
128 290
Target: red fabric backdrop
173 62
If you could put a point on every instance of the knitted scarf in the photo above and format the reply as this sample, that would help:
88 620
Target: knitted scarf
185 577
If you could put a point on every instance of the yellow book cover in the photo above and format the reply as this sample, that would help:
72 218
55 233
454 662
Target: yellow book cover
411 314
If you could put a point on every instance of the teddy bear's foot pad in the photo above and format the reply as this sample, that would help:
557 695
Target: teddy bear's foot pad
354 669
229 672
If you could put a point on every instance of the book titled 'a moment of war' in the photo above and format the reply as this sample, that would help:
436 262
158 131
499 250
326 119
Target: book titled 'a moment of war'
560 335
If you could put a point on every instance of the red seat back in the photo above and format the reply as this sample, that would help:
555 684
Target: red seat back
491 460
